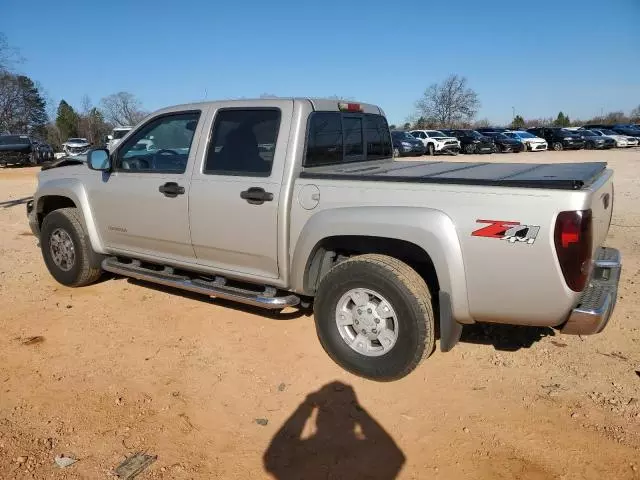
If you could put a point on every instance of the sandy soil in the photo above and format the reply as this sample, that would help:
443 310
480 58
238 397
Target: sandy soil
222 391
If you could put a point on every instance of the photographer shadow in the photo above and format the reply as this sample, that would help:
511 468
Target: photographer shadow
345 443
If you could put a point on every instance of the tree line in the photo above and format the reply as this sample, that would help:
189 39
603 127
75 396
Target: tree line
23 108
453 104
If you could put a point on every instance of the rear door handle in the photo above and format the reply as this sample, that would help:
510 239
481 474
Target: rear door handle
171 189
256 196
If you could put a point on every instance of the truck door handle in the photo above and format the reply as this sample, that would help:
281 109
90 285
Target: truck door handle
171 189
256 196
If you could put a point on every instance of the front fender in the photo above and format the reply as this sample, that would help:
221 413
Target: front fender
429 229
73 189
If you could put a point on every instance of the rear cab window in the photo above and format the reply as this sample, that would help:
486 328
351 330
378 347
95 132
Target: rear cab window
335 138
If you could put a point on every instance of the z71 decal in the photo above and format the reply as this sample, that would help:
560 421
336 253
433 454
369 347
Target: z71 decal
511 231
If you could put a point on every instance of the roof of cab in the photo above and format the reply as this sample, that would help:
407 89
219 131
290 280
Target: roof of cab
318 104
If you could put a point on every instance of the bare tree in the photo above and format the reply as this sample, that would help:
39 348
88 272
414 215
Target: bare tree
91 124
635 114
122 108
449 103
9 56
481 123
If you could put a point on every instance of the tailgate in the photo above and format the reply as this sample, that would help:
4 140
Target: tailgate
601 204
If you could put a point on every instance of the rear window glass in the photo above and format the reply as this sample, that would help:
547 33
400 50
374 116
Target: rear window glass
335 138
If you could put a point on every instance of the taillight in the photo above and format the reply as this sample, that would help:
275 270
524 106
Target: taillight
573 238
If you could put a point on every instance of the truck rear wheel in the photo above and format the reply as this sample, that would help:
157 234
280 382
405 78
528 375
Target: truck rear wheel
374 317
66 249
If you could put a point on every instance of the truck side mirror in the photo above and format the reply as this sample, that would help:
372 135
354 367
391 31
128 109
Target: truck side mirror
98 159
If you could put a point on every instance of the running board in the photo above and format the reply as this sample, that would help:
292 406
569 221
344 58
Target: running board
216 288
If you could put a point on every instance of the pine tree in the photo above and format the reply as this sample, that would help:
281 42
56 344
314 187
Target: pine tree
67 120
518 122
562 120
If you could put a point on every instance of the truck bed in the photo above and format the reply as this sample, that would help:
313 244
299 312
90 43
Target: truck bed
564 176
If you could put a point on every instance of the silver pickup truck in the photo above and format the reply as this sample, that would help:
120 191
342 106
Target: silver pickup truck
297 202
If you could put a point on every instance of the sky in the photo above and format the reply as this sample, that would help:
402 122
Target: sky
534 57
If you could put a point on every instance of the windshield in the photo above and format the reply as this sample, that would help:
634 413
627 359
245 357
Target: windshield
14 140
403 136
117 134
434 134
568 132
77 140
476 135
588 133
608 132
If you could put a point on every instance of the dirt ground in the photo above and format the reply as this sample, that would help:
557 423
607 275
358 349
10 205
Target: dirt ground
223 391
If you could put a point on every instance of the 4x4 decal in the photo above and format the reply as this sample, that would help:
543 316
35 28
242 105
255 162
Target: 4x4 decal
511 231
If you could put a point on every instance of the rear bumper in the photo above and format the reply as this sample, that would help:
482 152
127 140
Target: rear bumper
597 302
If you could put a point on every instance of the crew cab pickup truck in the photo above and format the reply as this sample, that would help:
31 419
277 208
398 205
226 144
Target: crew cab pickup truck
297 202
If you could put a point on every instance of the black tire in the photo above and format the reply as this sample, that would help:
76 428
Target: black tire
431 151
589 146
470 148
408 295
85 267
496 148
557 146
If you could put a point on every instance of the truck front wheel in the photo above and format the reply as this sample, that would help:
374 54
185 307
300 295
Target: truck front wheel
374 317
66 249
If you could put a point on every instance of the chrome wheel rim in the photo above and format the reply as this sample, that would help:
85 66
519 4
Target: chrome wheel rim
367 322
63 252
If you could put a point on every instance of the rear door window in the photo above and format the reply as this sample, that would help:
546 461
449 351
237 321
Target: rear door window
243 142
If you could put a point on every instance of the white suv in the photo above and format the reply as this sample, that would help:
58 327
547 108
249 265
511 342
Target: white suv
437 142
116 136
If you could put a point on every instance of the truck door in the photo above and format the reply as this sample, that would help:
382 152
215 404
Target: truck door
142 207
236 189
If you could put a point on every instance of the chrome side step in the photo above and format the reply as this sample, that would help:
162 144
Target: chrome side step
216 288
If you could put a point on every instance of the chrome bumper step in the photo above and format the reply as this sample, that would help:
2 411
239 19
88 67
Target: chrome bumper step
598 300
216 288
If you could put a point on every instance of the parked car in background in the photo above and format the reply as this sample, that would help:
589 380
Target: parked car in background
76 146
559 138
405 144
626 130
593 141
17 150
505 144
44 152
621 140
116 135
530 141
437 142
484 130
472 141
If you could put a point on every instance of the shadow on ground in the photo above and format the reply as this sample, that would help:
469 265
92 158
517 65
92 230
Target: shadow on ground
508 338
13 203
344 441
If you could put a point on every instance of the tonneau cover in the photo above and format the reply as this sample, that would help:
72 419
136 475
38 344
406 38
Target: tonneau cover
566 176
